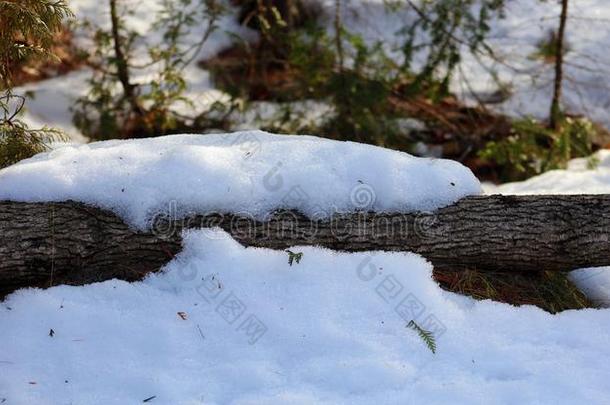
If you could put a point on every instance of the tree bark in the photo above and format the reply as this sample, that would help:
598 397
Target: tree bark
45 244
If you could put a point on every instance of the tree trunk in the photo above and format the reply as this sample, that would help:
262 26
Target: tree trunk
555 117
44 244
338 37
122 64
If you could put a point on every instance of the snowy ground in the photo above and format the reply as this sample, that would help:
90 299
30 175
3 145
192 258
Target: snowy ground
330 329
227 324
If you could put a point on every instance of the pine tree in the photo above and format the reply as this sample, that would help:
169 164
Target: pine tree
27 32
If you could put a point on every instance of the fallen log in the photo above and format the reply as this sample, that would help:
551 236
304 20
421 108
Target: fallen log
45 244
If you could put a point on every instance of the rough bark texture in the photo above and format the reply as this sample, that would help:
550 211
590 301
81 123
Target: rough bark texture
71 243
44 244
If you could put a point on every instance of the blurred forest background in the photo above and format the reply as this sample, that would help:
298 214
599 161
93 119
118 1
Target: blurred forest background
510 89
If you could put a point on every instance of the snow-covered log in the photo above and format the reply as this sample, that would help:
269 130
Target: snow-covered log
44 244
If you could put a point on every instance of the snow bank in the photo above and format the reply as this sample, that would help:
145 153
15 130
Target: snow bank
594 282
245 172
329 330
579 178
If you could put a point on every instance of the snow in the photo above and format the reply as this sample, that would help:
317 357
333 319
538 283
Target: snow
586 62
140 18
328 330
226 324
594 282
579 178
251 172
51 100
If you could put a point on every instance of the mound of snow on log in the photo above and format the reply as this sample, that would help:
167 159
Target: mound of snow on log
249 172
227 324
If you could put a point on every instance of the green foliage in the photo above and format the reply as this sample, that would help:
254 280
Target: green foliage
261 15
359 93
425 335
547 48
118 106
17 141
532 148
361 81
294 257
450 27
27 31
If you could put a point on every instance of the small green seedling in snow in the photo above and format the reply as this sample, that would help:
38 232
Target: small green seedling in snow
425 335
294 257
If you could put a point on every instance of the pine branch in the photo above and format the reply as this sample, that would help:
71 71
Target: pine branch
292 256
425 335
